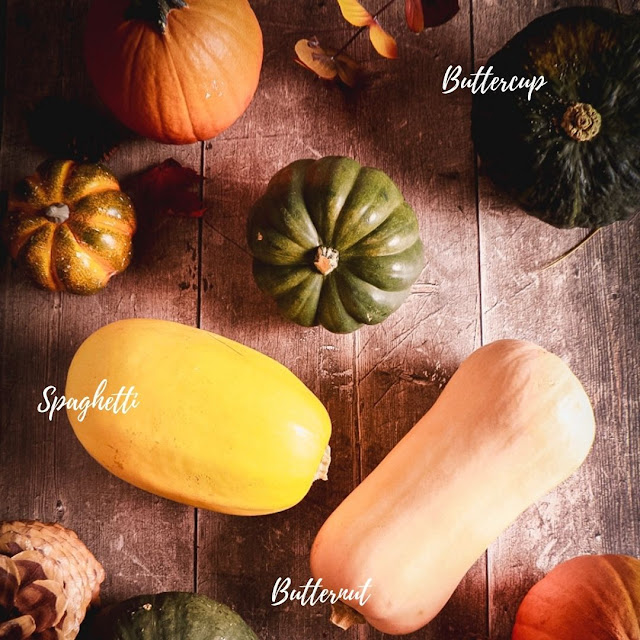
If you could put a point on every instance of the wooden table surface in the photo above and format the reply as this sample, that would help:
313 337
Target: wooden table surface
484 279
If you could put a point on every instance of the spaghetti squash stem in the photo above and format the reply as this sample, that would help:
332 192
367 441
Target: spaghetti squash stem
321 473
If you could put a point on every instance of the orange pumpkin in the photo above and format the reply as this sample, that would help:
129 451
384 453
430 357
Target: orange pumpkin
586 598
70 226
173 70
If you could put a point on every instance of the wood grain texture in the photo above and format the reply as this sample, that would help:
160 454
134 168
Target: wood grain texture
483 280
379 381
293 116
584 309
45 473
418 136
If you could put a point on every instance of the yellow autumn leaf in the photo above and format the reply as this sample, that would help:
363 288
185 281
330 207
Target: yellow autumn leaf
312 56
327 63
354 13
382 42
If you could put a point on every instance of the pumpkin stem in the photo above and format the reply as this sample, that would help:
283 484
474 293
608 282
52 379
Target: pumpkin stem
154 12
344 616
57 212
321 473
326 260
581 122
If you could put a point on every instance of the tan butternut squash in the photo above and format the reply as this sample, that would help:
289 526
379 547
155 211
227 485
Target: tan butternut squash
510 425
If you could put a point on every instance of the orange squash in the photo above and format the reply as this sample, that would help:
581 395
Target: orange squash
586 598
176 71
511 424
70 226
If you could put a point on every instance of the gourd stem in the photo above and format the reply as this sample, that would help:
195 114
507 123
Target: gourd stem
326 260
155 12
321 473
57 212
581 122
344 616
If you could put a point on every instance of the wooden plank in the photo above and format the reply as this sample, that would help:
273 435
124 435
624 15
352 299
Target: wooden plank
45 474
3 37
585 310
420 137
293 116
375 383
400 367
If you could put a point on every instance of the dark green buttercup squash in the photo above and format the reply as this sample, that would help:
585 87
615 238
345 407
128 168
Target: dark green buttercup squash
172 616
335 244
570 155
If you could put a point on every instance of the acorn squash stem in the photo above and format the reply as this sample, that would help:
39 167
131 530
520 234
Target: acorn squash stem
581 122
154 12
326 260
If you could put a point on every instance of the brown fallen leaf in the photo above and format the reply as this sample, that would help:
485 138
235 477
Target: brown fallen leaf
429 13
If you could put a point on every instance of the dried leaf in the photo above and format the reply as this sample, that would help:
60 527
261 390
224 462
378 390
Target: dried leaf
414 14
169 188
354 13
349 71
327 63
382 42
437 12
312 56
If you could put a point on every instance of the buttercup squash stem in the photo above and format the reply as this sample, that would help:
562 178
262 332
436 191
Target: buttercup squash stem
581 122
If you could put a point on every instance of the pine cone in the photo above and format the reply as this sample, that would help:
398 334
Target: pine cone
48 578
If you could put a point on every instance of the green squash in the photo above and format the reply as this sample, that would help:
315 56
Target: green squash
172 616
335 244
571 155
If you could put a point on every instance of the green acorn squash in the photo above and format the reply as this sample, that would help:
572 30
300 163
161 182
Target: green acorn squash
334 243
172 616
570 155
